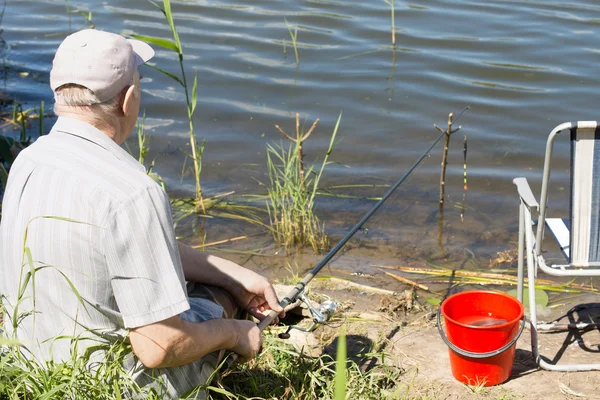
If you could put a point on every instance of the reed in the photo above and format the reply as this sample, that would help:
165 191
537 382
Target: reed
392 5
19 119
87 15
144 149
292 191
143 139
41 118
294 37
174 45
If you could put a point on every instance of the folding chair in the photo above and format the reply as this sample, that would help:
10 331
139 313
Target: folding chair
578 237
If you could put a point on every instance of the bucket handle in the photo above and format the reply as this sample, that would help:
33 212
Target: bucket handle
470 354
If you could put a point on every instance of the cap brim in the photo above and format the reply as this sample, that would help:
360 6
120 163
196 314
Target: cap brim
142 51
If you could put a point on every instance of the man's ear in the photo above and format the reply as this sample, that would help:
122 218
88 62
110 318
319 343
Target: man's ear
128 100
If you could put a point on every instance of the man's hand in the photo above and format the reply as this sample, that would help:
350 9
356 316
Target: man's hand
249 340
255 294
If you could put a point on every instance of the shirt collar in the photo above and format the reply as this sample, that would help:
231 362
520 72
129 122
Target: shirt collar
86 131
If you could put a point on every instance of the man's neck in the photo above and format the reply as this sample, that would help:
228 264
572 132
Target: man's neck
110 129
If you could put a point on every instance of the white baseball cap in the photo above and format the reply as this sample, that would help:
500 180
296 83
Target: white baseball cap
103 62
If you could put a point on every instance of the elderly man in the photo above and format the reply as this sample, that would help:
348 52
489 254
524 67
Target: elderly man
79 204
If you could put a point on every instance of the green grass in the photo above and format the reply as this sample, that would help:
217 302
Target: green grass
292 193
294 37
281 372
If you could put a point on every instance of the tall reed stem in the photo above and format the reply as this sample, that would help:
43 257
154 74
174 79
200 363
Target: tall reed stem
190 99
392 5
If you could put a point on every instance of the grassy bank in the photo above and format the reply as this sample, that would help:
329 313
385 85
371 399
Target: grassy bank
279 372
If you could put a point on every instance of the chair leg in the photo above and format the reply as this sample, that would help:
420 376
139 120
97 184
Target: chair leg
531 275
521 252
531 265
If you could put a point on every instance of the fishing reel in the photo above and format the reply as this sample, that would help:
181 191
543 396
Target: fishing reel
319 316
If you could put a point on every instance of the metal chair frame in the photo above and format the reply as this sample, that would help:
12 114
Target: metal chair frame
532 248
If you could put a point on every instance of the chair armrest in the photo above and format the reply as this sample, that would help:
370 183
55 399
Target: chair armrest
525 193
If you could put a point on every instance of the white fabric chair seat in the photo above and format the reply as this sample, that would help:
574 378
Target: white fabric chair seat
559 227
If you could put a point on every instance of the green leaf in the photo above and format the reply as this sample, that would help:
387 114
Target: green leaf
166 43
170 75
194 88
541 297
340 368
169 16
32 271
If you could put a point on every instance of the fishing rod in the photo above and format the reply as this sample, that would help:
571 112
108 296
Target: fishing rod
326 311
292 296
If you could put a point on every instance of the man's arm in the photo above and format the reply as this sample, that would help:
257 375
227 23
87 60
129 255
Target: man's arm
252 291
211 270
174 342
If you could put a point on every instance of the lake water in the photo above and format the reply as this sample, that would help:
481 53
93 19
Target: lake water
522 66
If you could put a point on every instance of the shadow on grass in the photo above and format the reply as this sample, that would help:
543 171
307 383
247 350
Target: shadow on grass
281 372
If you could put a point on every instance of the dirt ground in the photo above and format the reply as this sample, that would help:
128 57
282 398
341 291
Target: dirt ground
406 329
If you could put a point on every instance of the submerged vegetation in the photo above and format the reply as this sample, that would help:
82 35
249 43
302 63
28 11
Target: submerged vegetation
294 37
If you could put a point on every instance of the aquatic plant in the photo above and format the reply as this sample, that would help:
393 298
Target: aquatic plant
292 192
392 5
87 15
144 149
190 98
294 37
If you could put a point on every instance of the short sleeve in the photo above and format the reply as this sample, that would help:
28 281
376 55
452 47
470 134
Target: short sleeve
143 259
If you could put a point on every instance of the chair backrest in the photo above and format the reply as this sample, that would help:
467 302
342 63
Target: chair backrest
585 194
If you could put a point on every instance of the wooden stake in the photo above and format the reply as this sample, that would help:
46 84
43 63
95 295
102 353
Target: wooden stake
449 133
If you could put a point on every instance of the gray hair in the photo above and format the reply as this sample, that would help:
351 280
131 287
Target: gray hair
76 96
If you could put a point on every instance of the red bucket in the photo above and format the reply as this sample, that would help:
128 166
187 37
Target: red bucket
482 329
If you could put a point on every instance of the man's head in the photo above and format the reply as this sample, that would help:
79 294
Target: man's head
94 76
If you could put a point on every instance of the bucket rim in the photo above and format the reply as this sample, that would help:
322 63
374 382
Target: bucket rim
496 326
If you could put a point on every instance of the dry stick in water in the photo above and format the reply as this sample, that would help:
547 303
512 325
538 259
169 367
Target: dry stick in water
235 239
352 284
299 140
404 280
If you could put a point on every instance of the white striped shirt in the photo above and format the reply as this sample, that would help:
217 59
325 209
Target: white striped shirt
89 211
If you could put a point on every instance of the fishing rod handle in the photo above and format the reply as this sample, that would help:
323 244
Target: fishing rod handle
232 356
291 296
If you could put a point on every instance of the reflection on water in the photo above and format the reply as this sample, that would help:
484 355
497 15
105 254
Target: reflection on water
522 67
